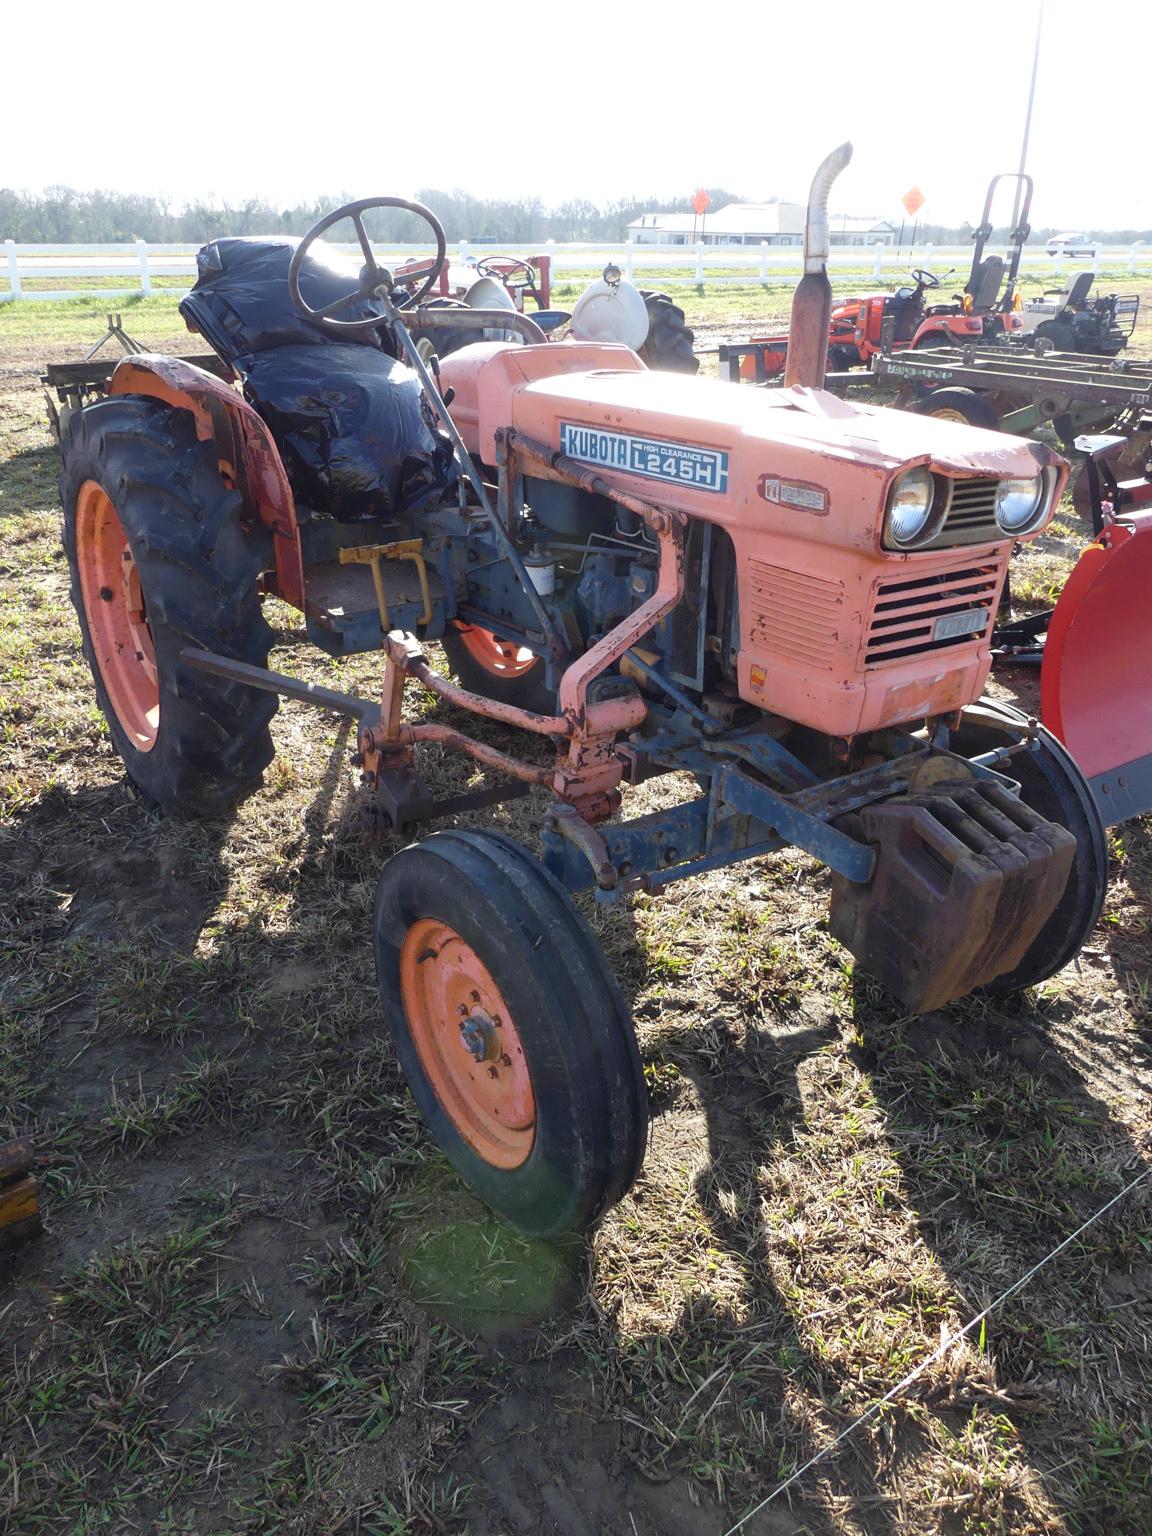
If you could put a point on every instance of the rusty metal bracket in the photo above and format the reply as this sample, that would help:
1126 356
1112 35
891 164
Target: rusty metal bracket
567 820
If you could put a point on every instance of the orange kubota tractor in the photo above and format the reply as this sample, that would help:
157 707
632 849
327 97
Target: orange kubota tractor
786 597
987 310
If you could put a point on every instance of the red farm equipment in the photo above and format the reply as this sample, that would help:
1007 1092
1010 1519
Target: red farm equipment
986 311
788 597
1091 648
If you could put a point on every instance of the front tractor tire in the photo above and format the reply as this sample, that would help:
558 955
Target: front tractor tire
160 561
510 1029
1051 784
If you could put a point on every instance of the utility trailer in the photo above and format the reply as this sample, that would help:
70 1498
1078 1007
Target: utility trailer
997 387
1076 394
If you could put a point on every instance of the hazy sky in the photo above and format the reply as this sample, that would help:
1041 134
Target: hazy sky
287 101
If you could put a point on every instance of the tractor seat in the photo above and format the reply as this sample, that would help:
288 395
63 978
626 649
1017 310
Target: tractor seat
241 305
985 284
1078 292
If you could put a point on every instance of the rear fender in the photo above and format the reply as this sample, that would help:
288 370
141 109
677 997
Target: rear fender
248 456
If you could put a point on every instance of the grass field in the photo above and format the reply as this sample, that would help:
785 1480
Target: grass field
264 1304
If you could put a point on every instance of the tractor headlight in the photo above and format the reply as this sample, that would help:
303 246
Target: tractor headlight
909 520
1020 504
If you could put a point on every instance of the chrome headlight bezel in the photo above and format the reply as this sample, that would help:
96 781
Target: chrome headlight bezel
934 502
1039 490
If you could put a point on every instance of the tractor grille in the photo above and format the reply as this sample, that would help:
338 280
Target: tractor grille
907 613
971 515
792 613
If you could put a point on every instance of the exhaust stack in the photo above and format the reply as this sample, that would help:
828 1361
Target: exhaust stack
807 358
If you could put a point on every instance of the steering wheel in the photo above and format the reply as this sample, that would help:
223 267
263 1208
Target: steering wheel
489 266
925 279
373 277
497 267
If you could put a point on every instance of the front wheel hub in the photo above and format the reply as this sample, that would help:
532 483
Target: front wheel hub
468 1044
479 1038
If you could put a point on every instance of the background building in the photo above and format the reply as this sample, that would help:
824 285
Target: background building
776 222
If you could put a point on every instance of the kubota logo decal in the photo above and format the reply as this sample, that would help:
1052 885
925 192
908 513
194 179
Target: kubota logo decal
704 469
802 494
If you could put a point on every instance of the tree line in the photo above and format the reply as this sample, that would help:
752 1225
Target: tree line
67 216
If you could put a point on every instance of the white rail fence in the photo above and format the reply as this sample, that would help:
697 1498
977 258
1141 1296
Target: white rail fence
140 264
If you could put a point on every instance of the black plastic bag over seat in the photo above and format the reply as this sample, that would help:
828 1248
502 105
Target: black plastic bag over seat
355 435
241 304
352 427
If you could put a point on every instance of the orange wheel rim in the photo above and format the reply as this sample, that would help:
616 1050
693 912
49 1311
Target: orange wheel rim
117 620
502 658
467 1043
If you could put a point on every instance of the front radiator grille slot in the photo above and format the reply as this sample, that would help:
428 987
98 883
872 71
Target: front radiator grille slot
906 612
793 613
971 515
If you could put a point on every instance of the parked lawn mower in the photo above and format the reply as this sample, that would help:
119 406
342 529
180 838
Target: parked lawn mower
1068 320
986 311
787 596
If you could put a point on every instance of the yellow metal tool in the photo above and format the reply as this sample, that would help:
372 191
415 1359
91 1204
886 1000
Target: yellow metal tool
371 556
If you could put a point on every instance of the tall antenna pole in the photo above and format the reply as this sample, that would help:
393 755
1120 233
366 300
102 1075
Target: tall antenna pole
1028 115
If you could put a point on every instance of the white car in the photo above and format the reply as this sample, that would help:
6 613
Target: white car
1071 245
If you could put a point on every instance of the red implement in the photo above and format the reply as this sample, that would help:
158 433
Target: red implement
1095 688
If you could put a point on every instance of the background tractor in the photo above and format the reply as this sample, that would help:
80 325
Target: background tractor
986 311
610 309
783 597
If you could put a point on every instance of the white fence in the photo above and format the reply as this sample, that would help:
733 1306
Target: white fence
139 263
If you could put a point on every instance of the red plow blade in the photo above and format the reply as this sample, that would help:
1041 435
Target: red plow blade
1096 678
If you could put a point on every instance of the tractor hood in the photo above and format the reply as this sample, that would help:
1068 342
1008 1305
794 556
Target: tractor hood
629 413
713 413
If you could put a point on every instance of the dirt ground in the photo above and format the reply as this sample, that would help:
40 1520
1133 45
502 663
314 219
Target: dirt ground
264 1304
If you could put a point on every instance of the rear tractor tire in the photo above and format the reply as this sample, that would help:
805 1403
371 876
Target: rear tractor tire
1053 336
1051 784
160 561
669 344
510 1029
498 669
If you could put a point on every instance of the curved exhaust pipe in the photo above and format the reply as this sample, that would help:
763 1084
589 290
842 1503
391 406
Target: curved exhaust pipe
807 358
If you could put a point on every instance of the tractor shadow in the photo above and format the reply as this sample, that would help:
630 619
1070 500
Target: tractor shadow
1003 1148
30 481
1126 929
752 1099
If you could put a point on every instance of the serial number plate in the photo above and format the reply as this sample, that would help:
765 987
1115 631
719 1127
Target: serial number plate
703 468
949 625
